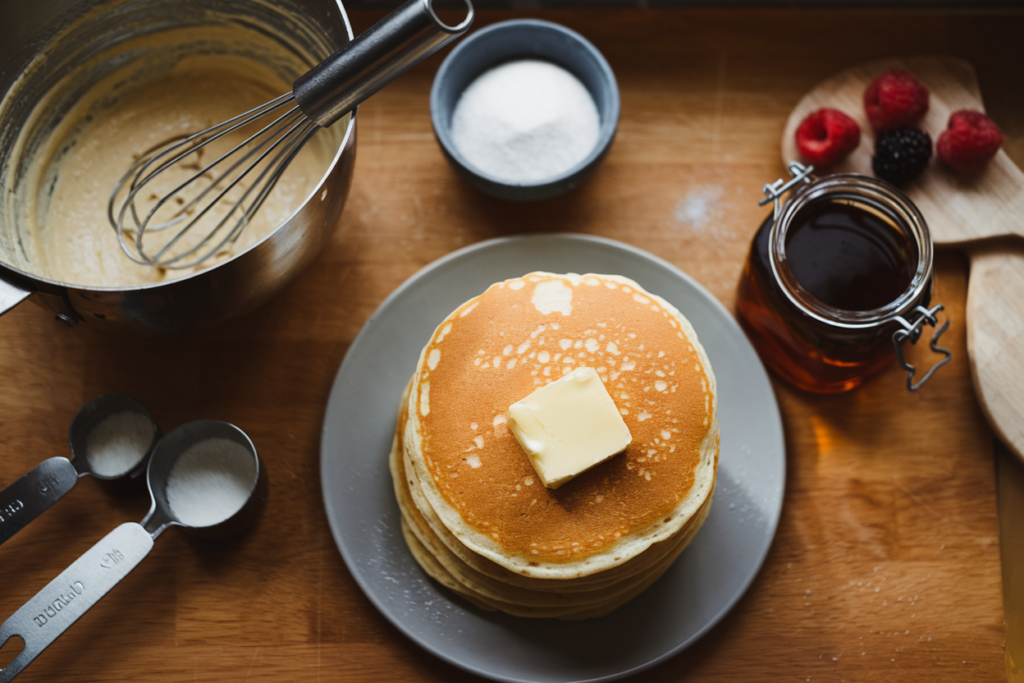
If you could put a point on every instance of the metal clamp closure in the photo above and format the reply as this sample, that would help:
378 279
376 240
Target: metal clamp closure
912 331
774 191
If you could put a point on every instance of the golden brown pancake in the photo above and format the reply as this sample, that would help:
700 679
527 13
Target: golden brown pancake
565 598
476 515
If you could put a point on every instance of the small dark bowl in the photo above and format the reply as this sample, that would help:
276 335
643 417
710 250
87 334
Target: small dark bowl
524 39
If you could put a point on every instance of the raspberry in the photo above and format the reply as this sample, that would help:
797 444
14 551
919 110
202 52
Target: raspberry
895 100
826 136
970 140
900 155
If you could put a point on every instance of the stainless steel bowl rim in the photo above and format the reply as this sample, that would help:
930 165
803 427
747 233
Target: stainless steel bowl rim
349 131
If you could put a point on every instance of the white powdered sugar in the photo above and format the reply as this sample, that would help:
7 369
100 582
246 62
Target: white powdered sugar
525 121
210 482
118 443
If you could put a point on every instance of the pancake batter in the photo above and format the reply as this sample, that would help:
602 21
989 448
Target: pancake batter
66 229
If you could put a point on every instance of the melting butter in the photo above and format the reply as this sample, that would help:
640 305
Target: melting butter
568 426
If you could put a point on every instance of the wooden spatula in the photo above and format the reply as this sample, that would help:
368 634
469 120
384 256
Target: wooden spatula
964 211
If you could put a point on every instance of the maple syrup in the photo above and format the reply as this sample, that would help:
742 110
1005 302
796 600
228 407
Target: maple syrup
829 276
847 257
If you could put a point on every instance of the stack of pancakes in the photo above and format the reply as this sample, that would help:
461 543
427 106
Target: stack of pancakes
474 512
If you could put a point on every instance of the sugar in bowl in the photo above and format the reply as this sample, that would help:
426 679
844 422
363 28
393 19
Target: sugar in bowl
838 277
525 110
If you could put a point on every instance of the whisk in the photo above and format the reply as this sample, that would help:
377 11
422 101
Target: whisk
224 194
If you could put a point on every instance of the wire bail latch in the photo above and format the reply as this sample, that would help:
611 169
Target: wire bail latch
912 331
774 191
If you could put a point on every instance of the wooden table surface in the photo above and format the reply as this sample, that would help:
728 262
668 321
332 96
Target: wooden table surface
886 561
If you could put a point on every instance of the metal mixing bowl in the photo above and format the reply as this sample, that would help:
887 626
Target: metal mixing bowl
41 43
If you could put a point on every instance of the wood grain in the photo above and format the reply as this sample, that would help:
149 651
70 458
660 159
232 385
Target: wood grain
962 211
995 311
886 563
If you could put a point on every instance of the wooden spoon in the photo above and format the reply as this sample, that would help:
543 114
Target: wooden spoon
995 326
966 211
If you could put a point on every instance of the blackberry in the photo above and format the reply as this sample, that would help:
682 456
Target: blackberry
901 154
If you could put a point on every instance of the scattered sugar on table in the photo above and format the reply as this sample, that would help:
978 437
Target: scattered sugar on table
525 121
210 482
118 443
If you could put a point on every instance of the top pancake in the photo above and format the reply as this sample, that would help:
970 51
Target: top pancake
522 334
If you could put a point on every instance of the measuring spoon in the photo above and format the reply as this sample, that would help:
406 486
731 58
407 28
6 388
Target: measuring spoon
111 437
204 476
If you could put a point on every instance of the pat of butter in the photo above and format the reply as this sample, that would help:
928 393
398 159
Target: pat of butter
568 426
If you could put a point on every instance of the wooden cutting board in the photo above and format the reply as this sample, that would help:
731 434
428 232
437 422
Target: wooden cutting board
958 209
971 212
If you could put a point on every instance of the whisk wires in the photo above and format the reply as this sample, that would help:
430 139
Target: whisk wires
221 196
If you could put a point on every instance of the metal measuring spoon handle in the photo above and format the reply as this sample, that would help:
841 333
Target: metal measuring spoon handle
46 483
34 493
54 609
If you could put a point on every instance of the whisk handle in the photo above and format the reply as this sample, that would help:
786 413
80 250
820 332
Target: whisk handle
376 57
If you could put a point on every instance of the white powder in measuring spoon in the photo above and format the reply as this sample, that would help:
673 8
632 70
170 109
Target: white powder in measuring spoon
210 482
525 121
118 443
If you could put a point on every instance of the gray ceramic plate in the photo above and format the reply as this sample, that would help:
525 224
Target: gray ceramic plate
697 591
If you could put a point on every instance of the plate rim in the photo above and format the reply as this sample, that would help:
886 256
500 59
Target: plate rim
467 252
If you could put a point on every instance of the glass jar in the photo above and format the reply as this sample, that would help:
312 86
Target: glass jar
837 278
